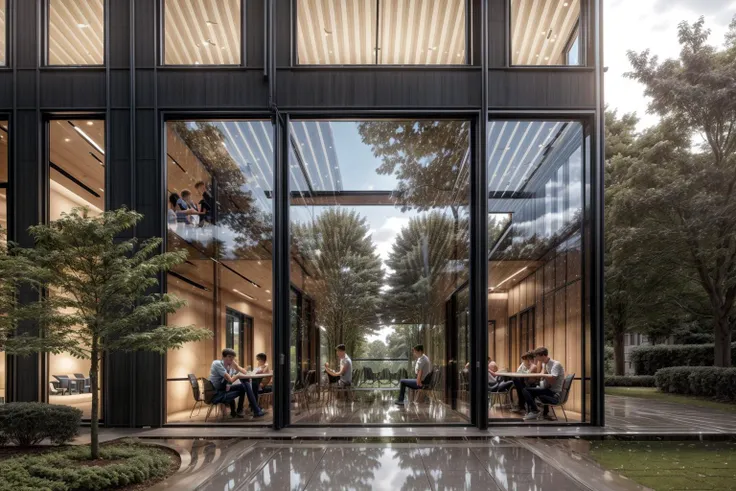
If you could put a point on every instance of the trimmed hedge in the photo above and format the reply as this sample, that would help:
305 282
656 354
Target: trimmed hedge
648 359
712 382
630 381
63 470
28 423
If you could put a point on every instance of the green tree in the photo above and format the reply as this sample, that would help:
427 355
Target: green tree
685 194
376 349
99 297
341 259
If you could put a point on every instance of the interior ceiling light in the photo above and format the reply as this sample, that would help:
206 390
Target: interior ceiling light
507 279
83 26
90 123
243 294
88 139
211 22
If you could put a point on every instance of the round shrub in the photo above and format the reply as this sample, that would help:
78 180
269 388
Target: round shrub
28 423
629 381
63 470
713 382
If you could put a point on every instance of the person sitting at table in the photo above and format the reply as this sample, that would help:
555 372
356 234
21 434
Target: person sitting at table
261 385
527 366
495 384
423 369
552 375
344 376
223 375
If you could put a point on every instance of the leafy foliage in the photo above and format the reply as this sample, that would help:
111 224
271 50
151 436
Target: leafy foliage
29 423
63 470
630 381
648 359
714 382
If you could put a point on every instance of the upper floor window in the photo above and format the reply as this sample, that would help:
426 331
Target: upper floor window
546 32
202 32
76 32
381 32
3 33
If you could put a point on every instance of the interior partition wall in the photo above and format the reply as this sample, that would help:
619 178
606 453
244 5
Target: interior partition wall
246 98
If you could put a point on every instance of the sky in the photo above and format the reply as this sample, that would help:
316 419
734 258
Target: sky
651 24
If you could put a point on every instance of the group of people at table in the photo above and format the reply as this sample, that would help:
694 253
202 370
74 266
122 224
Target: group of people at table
539 377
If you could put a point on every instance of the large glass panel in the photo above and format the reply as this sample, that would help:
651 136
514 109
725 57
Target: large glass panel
383 32
4 184
379 263
3 33
76 32
535 203
76 169
202 32
218 181
546 32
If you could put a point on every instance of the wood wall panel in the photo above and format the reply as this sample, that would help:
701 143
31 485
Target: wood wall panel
561 270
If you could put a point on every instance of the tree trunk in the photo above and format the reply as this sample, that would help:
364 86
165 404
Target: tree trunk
723 342
618 352
94 420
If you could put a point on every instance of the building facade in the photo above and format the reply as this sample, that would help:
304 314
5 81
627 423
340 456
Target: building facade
374 173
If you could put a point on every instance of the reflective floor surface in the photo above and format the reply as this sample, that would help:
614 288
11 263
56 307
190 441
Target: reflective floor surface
493 465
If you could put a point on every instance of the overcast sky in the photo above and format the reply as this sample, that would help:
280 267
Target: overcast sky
640 24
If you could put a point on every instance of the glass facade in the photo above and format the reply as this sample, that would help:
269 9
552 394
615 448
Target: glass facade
535 280
76 170
546 32
219 177
381 32
379 263
202 32
4 184
3 33
76 32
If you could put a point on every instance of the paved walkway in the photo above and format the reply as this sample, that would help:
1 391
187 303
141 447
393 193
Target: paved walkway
494 466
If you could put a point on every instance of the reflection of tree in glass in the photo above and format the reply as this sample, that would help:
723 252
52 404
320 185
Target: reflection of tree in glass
347 271
348 469
536 246
429 159
426 256
236 206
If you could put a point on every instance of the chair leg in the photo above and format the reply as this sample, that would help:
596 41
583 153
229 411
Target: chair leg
563 412
193 408
209 410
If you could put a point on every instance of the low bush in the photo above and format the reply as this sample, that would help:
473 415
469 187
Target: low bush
608 367
648 359
712 382
62 470
28 423
629 381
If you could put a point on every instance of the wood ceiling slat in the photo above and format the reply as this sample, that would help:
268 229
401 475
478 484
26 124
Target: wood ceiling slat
531 23
70 44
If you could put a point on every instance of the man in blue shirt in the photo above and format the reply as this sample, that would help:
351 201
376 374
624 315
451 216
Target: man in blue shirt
223 375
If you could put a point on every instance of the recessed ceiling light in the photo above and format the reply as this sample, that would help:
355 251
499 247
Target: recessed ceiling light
565 4
83 26
67 140
196 63
210 22
546 58
90 123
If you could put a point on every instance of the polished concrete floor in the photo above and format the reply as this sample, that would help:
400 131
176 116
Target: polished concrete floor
493 466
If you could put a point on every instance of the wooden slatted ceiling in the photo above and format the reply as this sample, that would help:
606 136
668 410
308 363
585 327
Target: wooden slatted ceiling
540 30
76 32
73 153
3 31
410 32
202 32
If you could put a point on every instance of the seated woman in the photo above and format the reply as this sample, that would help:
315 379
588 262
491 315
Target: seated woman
261 385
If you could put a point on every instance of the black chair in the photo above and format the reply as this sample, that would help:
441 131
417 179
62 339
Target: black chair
196 393
209 395
562 399
86 386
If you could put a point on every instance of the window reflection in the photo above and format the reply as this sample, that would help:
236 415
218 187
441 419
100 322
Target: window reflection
4 184
76 32
219 190
545 32
202 32
535 192
76 170
380 243
384 32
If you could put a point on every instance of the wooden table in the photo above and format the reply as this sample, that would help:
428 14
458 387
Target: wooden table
523 375
251 376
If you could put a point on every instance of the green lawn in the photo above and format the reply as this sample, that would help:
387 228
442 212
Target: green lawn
665 466
653 393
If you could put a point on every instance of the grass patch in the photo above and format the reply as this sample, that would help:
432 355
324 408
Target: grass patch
653 393
123 465
665 466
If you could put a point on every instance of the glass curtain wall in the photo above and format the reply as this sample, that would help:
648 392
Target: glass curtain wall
546 32
3 33
379 261
381 32
219 177
76 170
76 32
4 184
202 32
536 285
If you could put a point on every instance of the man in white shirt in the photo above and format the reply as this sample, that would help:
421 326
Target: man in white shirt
552 377
423 369
344 377
224 377
262 385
